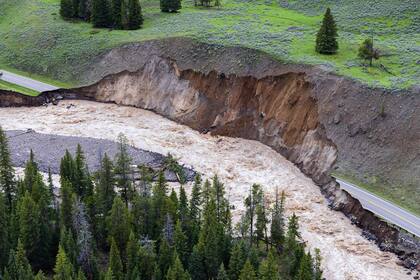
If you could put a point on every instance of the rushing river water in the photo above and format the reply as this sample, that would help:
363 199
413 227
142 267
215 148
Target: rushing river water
239 163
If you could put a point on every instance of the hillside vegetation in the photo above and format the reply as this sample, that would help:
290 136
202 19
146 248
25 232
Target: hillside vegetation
36 39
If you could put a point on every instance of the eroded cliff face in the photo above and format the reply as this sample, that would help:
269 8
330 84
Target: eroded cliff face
277 110
281 111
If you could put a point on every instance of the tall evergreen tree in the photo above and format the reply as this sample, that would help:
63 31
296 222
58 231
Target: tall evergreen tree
247 272
176 271
135 17
132 257
326 38
7 182
18 267
101 15
81 179
116 15
119 225
84 9
67 168
159 201
66 204
305 268
4 232
66 9
29 225
68 244
269 269
166 256
63 269
115 263
238 258
122 165
181 244
222 274
197 267
195 212
277 222
317 265
75 8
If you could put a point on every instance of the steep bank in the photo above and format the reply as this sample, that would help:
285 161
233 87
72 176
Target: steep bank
317 123
238 162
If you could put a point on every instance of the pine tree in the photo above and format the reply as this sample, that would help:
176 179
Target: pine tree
166 254
238 258
251 202
63 268
159 205
4 232
81 178
269 269
317 265
69 245
81 275
67 168
181 244
105 195
116 16
40 276
247 272
141 213
222 274
124 11
29 225
211 240
119 225
132 255
18 267
183 211
262 221
326 38
123 162
305 268
66 204
176 271
66 9
115 264
196 264
135 17
75 8
147 264
101 16
7 182
277 222
195 212
84 9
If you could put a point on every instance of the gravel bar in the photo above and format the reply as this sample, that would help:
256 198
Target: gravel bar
50 148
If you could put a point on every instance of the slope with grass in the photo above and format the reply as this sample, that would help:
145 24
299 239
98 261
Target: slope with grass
36 39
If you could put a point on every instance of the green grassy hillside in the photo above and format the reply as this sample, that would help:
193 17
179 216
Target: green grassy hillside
35 39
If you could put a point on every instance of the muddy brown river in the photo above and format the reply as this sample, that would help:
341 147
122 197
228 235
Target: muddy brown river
239 163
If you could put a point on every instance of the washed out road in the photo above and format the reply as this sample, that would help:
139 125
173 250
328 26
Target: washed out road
25 82
384 209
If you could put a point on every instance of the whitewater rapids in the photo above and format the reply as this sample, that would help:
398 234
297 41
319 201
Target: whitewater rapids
239 163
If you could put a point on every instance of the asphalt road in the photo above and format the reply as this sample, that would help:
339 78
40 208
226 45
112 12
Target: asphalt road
384 209
25 82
